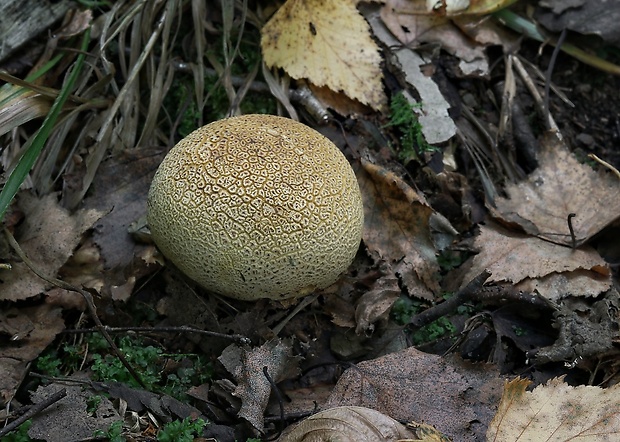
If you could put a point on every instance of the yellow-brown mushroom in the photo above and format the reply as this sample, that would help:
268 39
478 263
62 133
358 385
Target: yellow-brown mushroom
257 206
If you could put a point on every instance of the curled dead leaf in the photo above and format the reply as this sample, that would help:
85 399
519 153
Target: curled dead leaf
397 231
348 424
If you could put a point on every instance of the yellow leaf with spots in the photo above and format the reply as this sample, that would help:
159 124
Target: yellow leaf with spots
327 42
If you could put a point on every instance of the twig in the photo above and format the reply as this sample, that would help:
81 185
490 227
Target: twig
276 390
433 313
474 291
569 220
87 297
33 410
549 121
182 329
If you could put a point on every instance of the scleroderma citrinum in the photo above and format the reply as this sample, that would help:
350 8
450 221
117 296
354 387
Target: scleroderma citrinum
257 206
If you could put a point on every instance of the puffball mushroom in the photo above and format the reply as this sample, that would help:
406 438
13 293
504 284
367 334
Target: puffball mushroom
257 206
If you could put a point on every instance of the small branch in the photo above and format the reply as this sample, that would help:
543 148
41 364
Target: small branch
32 411
182 329
437 311
569 220
474 291
276 390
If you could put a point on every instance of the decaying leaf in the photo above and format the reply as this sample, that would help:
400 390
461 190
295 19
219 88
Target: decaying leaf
412 23
454 396
558 187
587 331
119 190
329 43
376 304
556 411
48 236
516 257
557 286
248 366
397 229
348 424
69 418
30 330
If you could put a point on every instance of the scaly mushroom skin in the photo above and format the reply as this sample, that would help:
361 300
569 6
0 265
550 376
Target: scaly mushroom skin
257 206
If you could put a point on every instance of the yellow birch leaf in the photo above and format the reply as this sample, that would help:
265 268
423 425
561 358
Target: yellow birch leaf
329 43
556 412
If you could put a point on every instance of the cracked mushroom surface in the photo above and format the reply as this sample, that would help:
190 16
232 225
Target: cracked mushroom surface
257 206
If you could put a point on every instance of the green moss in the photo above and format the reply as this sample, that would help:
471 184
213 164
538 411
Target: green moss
181 431
404 119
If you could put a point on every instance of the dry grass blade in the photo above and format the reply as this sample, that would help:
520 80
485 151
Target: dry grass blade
161 79
116 127
199 14
36 143
18 106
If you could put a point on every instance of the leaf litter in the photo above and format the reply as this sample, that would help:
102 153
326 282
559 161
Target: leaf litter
560 186
556 411
525 243
338 49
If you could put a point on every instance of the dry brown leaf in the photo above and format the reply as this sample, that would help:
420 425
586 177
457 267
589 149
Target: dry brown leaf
456 397
71 417
514 257
75 22
329 43
560 285
31 330
556 412
247 365
48 236
396 229
338 102
410 22
119 190
376 304
561 186
348 424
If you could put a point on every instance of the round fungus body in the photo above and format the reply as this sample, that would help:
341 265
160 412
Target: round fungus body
257 206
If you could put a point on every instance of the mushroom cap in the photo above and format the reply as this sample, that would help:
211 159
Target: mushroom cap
257 206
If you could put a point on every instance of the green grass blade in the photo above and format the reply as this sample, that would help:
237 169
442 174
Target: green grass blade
31 154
